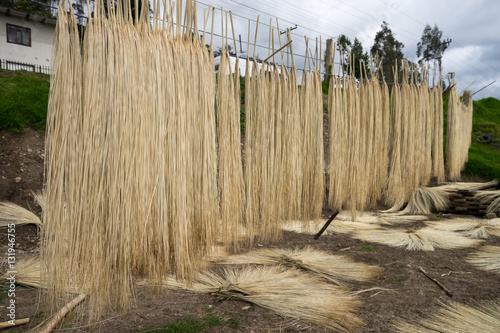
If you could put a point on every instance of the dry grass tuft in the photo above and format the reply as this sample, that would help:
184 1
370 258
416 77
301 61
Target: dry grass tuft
487 258
288 292
11 213
334 268
456 318
425 239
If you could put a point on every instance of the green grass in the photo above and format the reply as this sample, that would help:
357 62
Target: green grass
484 159
23 100
366 248
235 323
187 324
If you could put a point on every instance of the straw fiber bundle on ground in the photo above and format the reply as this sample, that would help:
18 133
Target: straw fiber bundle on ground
397 219
136 102
425 239
473 228
487 258
378 218
334 268
346 226
490 198
11 213
427 200
28 273
290 293
459 132
456 317
304 227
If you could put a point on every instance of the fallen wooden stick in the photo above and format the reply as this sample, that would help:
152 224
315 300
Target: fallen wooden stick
6 324
63 312
327 224
449 293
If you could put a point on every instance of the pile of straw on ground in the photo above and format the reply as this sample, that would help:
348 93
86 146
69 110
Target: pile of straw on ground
11 213
427 200
290 293
130 153
490 198
473 228
486 258
424 239
456 318
458 137
334 268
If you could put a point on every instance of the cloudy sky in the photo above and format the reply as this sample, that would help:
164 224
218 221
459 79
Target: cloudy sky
473 55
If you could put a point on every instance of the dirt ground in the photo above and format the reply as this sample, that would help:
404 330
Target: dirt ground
406 292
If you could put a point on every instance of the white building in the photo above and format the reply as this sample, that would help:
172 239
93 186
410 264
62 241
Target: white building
25 39
242 63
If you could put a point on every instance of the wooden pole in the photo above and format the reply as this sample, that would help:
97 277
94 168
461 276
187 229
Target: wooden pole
6 324
327 224
63 312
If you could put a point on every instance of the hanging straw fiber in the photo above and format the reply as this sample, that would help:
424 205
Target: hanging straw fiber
312 145
459 132
416 136
130 153
231 185
359 133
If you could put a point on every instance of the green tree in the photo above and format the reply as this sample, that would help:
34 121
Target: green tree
358 55
389 51
350 51
431 47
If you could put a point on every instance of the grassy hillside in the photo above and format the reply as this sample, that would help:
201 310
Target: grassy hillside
484 159
23 100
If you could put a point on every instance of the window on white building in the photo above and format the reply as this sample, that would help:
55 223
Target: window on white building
18 35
